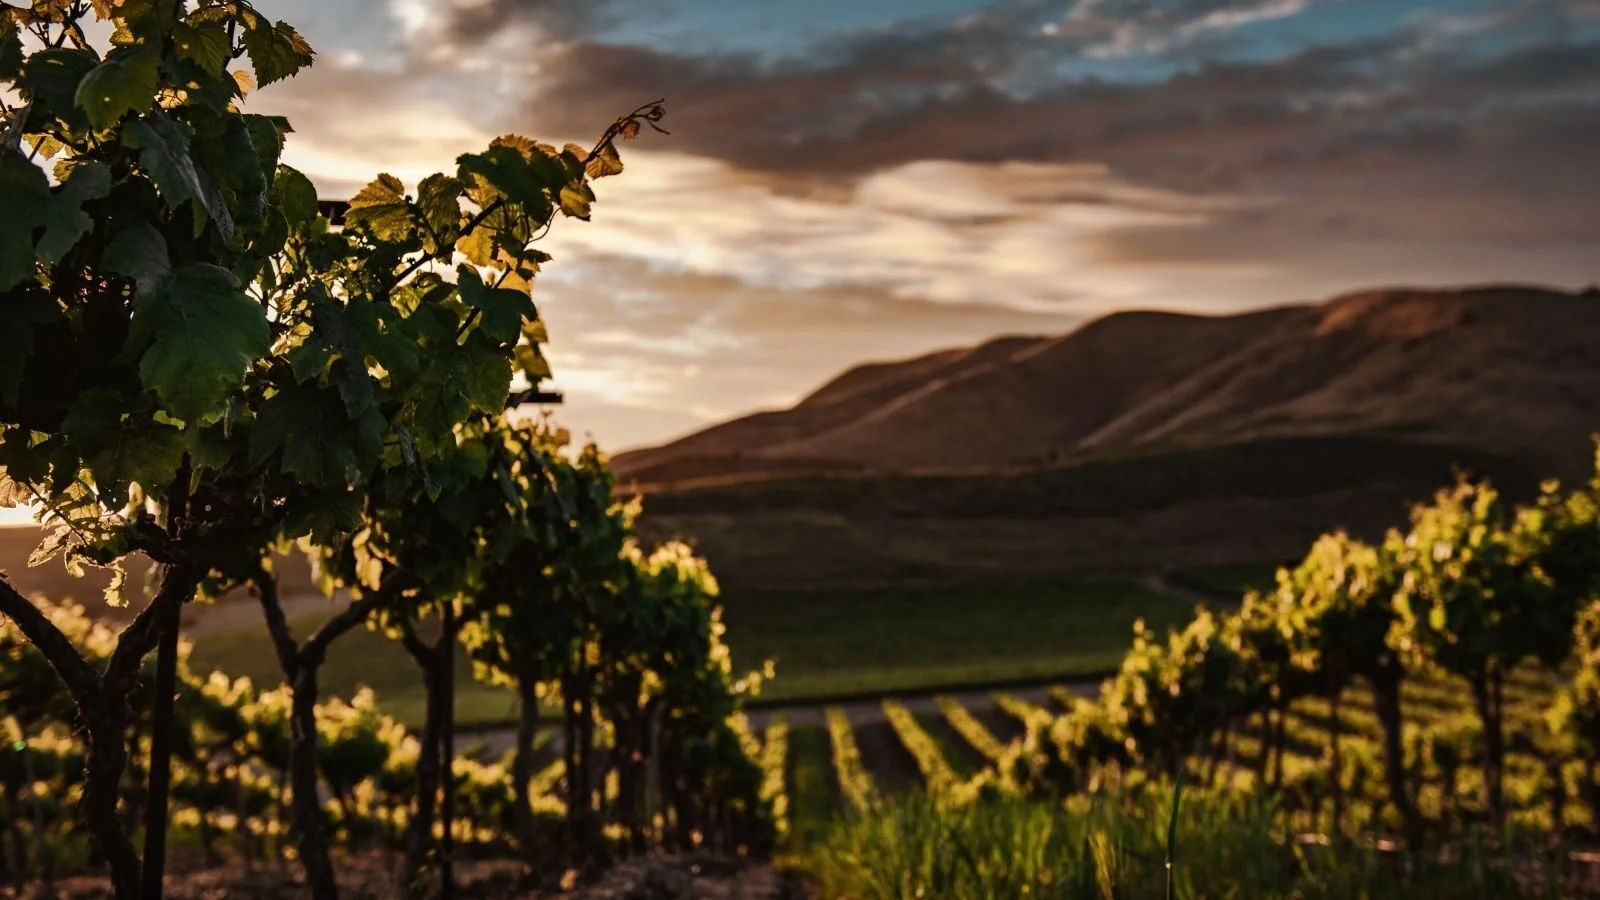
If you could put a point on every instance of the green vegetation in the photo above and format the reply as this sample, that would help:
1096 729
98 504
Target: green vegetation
855 784
837 643
974 732
1228 580
1385 720
365 658
204 371
1150 479
1227 844
813 795
827 644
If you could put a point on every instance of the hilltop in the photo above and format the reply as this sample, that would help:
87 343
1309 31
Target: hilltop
1142 439
1504 368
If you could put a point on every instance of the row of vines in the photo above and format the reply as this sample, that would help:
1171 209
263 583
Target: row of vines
202 370
1438 683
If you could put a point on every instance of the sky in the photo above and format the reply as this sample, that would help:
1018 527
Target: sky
859 180
855 180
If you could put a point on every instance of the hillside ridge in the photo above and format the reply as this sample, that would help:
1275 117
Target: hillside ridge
1508 368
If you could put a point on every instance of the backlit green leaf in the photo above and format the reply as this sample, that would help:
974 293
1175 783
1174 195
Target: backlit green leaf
121 451
381 206
532 362
140 252
66 222
200 332
206 43
500 311
10 49
294 196
25 198
166 152
320 441
124 83
457 380
576 200
51 78
439 197
606 162
276 51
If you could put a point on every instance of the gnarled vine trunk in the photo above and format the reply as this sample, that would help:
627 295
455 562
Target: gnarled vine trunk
1385 683
300 665
102 704
1488 696
522 765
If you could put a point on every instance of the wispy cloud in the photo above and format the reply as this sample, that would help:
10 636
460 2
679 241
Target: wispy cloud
941 174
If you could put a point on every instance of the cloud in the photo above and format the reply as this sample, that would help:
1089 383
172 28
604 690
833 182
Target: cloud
643 352
935 182
1001 235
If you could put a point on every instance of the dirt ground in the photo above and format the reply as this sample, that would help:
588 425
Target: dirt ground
371 878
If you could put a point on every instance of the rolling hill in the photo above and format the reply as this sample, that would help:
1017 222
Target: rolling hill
1507 369
1140 441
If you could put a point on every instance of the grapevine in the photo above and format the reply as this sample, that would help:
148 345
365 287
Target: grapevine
974 732
855 784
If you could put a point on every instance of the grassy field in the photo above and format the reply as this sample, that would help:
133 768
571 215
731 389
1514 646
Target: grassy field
1154 478
1107 518
827 644
1230 841
900 639
359 658
1227 580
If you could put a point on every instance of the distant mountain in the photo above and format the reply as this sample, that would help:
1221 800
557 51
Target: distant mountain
1512 370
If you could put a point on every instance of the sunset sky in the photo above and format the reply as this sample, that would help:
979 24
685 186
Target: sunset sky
850 180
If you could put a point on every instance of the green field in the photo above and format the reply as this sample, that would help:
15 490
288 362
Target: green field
827 644
1227 580
362 658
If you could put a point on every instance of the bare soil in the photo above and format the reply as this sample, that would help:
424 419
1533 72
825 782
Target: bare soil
371 878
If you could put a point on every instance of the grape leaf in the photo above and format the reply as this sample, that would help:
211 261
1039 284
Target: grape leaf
532 362
321 442
501 311
117 451
382 207
524 177
457 380
65 222
140 253
199 333
10 49
295 196
226 160
51 78
267 137
124 83
606 162
165 148
25 198
439 197
276 52
19 314
576 200
207 44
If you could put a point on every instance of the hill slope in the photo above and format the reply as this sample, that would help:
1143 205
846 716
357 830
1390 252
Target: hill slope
1507 369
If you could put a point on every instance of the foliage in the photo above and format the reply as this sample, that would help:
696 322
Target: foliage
1112 846
179 308
855 784
974 732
